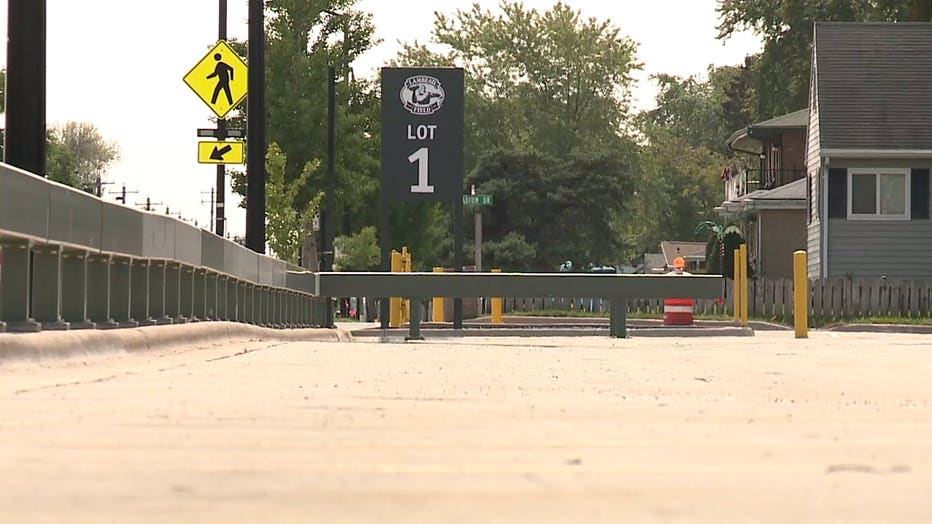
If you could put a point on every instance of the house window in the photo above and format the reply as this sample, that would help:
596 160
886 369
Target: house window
878 194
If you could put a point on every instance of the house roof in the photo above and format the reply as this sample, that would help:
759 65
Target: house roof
694 251
748 139
874 85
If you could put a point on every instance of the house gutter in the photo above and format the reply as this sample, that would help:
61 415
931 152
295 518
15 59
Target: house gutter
877 153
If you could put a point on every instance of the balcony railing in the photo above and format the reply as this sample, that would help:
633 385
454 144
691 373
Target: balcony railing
748 181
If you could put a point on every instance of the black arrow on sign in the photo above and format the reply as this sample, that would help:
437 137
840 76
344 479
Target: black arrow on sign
219 152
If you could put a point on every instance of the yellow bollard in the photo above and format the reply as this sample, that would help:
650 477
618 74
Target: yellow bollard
497 306
394 319
744 284
438 303
801 294
737 287
407 265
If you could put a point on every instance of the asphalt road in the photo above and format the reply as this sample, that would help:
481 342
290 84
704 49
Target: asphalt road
837 428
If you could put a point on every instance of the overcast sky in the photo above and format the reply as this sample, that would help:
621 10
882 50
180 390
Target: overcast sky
119 64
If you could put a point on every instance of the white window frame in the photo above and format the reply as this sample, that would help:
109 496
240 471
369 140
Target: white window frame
880 171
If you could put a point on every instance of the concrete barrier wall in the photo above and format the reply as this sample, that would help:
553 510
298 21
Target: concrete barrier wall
73 259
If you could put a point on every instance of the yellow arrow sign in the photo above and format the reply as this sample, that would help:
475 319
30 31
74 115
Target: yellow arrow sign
219 79
221 152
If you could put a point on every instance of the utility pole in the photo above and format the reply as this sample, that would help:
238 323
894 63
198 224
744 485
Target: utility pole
24 145
121 195
211 208
148 204
255 130
221 135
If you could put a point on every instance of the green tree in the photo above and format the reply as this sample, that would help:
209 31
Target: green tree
702 111
78 155
552 80
678 187
61 162
359 252
781 73
287 225
547 101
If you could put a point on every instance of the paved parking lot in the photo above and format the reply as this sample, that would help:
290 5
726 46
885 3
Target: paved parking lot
837 428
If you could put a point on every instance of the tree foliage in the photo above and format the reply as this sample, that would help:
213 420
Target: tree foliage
287 222
358 252
547 101
90 153
781 72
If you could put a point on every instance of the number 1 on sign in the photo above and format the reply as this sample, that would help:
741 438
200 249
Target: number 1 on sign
421 157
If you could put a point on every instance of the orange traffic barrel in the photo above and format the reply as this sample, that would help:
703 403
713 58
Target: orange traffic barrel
678 312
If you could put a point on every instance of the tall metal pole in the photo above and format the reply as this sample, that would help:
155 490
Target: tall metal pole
255 167
219 225
458 256
24 144
329 213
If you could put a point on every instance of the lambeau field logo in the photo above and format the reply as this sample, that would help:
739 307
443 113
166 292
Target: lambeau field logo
422 95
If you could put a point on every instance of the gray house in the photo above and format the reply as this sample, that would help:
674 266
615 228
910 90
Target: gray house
869 150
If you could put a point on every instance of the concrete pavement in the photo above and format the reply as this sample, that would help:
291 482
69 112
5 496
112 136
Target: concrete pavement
837 428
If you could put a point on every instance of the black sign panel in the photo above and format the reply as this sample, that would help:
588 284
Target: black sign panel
422 134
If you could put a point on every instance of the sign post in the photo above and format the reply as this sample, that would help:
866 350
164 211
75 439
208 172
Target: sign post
422 151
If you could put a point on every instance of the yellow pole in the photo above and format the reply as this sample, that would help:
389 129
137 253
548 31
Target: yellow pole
497 306
438 303
394 319
406 265
801 294
737 287
744 284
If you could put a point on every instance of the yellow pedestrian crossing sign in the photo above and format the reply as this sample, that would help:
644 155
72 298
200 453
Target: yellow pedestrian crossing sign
219 79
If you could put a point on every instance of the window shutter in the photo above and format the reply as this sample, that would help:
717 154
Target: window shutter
919 187
838 193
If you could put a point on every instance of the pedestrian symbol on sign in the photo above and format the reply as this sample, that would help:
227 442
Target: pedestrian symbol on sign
224 74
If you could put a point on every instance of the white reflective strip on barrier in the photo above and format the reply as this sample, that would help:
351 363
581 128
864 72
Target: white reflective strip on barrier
677 309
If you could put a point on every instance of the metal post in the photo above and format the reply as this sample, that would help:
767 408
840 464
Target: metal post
98 290
25 141
458 258
414 323
618 322
174 276
386 248
157 291
439 313
745 292
16 275
187 293
74 289
219 225
497 306
200 294
330 213
801 294
256 146
121 292
46 286
139 307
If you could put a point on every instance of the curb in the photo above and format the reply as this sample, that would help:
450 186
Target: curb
68 344
633 332
883 328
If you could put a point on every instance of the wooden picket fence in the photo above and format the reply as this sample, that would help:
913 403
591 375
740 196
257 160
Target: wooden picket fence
829 299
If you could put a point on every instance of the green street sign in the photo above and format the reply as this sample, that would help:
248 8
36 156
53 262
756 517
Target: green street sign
477 200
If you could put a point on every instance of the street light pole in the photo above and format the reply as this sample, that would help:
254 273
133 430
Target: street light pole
256 146
25 86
